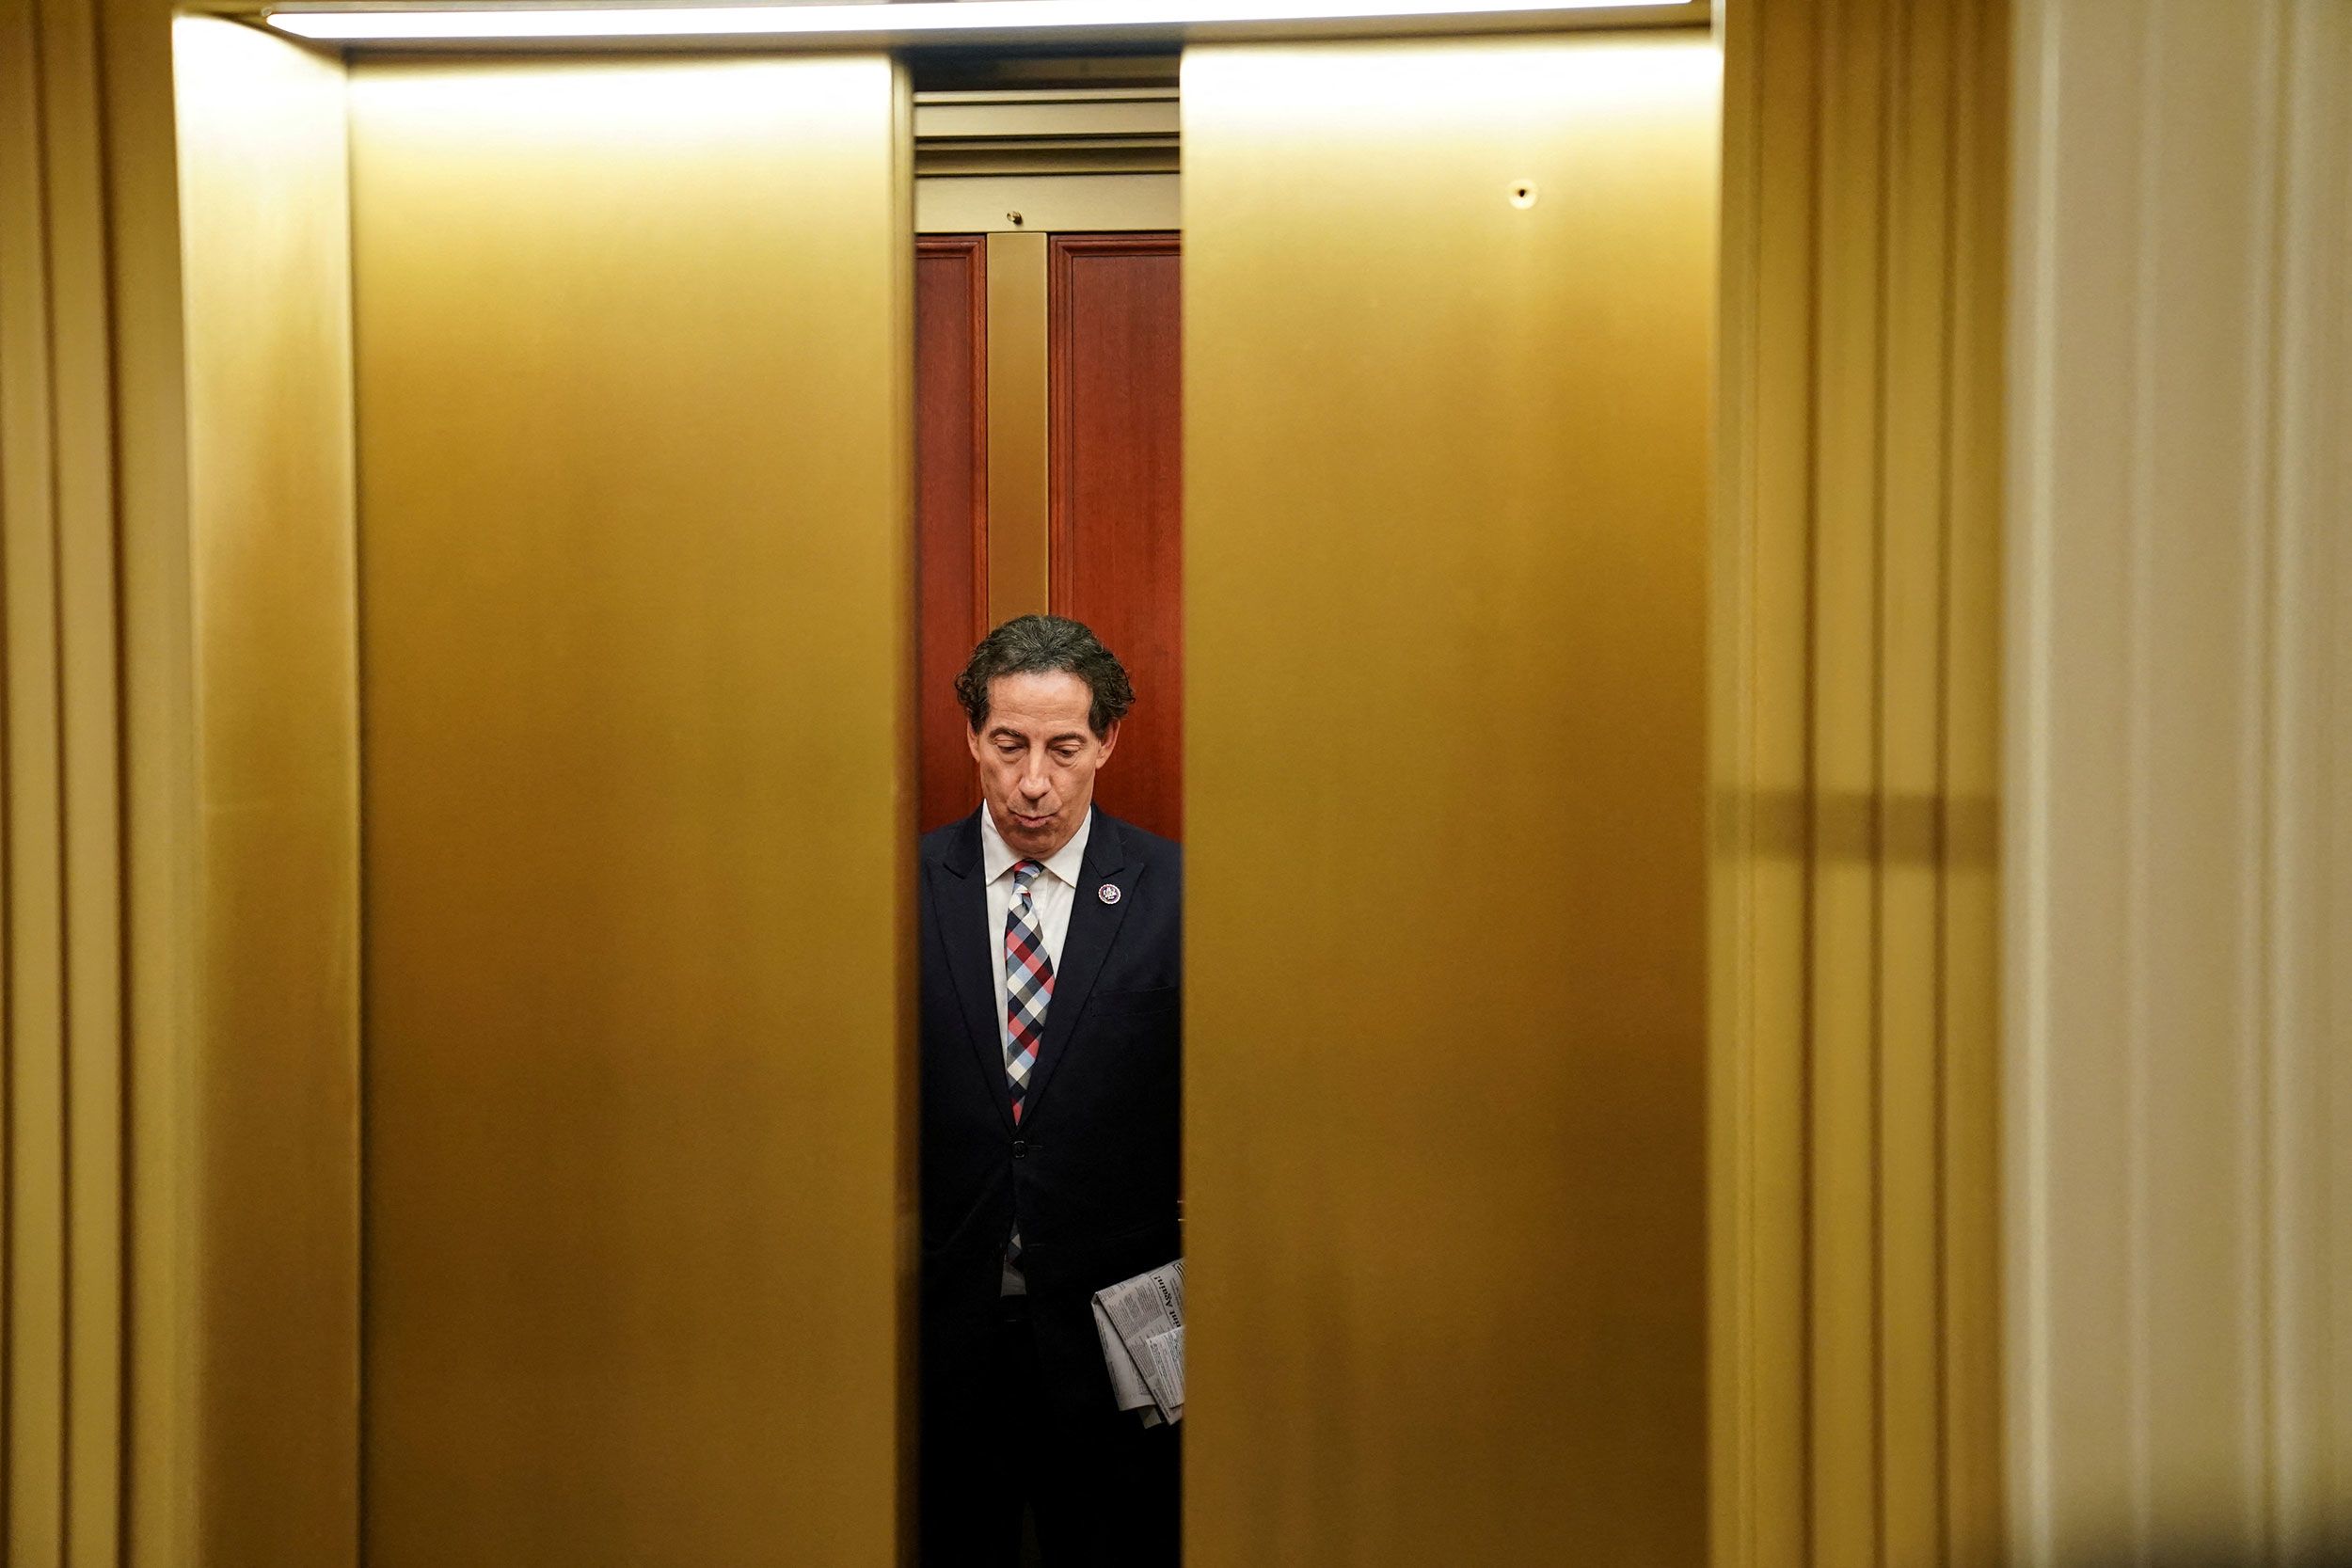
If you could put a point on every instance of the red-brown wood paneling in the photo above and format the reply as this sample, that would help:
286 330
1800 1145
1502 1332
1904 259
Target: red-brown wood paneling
952 507
1116 500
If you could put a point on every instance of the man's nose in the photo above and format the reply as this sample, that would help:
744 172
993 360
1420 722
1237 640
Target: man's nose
1033 780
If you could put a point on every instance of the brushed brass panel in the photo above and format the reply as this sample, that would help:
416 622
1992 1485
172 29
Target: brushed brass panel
89 518
1447 473
1857 1306
37 1209
63 983
81 483
1971 1313
634 390
1758 1498
1842 959
1017 409
266 277
159 930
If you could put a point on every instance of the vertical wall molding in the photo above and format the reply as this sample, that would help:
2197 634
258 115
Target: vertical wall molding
97 785
2179 1021
1854 1125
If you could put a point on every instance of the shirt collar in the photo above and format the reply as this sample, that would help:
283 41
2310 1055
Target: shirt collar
997 857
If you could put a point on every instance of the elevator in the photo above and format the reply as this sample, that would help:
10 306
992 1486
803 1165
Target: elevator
623 445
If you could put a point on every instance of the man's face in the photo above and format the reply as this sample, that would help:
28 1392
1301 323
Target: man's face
1037 758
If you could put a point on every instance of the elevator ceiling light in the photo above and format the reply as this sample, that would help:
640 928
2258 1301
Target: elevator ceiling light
939 21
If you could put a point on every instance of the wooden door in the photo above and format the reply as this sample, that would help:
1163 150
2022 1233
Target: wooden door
952 509
1113 519
1116 498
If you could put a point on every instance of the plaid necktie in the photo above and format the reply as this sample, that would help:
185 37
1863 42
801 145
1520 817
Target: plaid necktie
1028 983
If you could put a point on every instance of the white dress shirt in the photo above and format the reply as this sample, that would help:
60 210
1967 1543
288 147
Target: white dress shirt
1052 892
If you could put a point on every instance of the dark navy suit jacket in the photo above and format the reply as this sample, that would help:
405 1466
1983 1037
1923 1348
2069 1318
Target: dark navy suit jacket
1093 1170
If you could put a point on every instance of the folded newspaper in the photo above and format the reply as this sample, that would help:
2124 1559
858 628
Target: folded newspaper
1141 1324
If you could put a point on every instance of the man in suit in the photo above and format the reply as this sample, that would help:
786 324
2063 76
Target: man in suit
1052 953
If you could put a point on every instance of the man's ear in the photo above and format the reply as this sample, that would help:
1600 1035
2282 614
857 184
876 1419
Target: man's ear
972 741
1110 741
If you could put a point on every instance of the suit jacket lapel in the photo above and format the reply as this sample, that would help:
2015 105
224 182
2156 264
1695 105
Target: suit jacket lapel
1093 926
959 903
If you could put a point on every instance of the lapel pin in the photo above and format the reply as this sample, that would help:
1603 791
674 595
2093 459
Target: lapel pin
1107 892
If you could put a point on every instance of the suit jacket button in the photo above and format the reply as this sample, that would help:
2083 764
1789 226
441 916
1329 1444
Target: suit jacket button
1019 1149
